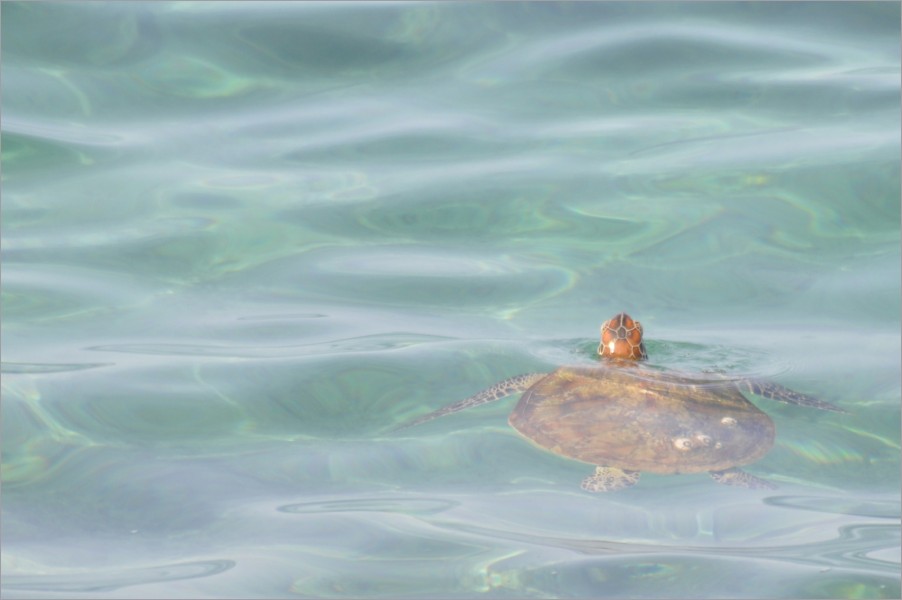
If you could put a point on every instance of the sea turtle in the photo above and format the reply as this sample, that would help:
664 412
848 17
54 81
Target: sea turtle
626 419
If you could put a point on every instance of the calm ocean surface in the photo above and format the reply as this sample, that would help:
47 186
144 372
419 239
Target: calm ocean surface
242 242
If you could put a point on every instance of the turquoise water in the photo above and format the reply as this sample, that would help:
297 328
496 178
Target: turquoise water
242 242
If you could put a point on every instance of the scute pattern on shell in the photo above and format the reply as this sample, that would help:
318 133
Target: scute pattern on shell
643 420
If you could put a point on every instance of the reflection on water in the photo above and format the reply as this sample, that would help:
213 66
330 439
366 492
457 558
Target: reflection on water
241 244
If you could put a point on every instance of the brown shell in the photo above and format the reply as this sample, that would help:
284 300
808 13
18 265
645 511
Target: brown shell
643 420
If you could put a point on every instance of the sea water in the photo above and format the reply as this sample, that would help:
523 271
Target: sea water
241 242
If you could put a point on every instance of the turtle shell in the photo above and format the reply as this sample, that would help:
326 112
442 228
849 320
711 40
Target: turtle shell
643 420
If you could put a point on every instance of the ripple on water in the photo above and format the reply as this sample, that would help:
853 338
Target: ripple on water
440 278
400 262
368 343
97 580
125 237
663 575
879 509
44 292
405 505
9 367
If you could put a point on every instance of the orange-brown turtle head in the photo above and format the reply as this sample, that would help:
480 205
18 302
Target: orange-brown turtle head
621 337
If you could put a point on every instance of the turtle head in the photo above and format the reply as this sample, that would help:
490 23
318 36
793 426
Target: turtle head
621 337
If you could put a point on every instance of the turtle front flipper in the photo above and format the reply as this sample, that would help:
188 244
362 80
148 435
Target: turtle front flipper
502 389
739 478
775 391
610 479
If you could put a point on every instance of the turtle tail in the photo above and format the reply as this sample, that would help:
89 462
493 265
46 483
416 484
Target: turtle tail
502 389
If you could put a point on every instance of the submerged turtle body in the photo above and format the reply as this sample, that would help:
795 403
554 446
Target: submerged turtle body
626 419
648 421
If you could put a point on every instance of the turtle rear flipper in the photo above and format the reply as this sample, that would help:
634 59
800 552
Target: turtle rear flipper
739 478
775 391
610 479
502 389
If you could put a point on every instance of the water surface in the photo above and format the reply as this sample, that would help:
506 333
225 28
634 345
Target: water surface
242 242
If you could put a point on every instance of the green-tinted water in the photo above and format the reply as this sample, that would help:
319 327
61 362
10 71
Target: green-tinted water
241 242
